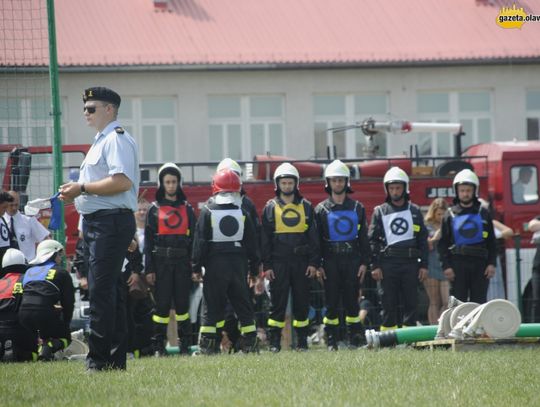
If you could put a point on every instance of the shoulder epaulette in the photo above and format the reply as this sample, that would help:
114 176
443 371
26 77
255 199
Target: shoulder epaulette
119 130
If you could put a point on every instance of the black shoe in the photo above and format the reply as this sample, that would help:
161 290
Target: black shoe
45 353
275 348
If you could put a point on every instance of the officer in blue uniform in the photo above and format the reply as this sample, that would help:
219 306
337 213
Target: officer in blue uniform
106 197
467 247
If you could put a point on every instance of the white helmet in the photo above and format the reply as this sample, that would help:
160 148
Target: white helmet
286 170
396 174
466 177
337 169
45 250
172 168
13 257
229 164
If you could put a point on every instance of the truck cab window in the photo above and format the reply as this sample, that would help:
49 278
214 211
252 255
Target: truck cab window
524 184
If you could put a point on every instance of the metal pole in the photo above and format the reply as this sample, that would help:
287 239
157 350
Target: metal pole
55 113
517 241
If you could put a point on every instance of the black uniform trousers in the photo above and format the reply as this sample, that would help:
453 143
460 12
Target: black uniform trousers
107 239
139 321
225 279
48 321
173 287
470 283
400 282
342 284
535 282
290 273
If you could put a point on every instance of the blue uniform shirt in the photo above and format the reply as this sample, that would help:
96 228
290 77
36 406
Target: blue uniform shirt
112 153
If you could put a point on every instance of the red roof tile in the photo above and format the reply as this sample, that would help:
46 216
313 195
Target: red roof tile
280 32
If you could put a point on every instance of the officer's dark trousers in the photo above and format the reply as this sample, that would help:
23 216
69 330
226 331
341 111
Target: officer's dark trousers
342 284
107 239
225 278
470 283
400 281
290 274
173 286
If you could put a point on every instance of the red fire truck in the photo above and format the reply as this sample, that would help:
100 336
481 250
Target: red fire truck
508 173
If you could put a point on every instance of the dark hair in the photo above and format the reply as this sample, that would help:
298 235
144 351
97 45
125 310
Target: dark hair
5 197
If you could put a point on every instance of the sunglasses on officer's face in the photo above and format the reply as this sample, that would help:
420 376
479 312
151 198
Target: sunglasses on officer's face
89 109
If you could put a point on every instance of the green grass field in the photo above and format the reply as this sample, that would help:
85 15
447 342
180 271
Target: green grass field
386 377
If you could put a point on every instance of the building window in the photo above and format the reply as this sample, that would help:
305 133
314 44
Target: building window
152 122
533 114
331 111
473 109
524 180
243 126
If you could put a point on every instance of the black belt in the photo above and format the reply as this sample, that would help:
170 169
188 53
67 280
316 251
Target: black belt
106 212
341 247
470 251
174 252
401 252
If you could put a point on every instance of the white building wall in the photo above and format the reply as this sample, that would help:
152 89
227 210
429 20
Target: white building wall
507 83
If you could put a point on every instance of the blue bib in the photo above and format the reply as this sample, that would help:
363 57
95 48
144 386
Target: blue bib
342 226
467 229
39 273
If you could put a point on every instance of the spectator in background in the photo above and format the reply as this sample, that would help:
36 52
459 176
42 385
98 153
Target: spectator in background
5 241
436 284
26 232
502 233
534 226
518 187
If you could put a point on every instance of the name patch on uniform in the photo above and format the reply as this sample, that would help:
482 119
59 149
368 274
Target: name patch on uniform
173 220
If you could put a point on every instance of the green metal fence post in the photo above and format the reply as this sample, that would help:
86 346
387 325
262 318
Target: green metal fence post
55 112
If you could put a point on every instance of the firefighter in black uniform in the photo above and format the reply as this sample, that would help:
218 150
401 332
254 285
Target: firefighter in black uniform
467 248
230 324
398 241
290 254
346 254
167 247
23 342
224 242
48 299
534 226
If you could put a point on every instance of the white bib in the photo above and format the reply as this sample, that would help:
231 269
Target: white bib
398 226
227 225
4 234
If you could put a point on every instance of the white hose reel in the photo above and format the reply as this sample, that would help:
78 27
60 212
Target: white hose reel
496 319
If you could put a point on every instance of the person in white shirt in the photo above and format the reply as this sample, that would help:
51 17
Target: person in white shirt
27 231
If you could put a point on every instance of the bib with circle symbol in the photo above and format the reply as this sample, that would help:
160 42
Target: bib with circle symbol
467 229
4 234
342 225
172 220
227 225
290 218
398 226
7 284
39 273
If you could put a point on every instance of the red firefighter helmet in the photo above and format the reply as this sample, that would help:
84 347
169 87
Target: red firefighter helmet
226 181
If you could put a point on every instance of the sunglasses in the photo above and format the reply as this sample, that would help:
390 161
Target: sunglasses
89 109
